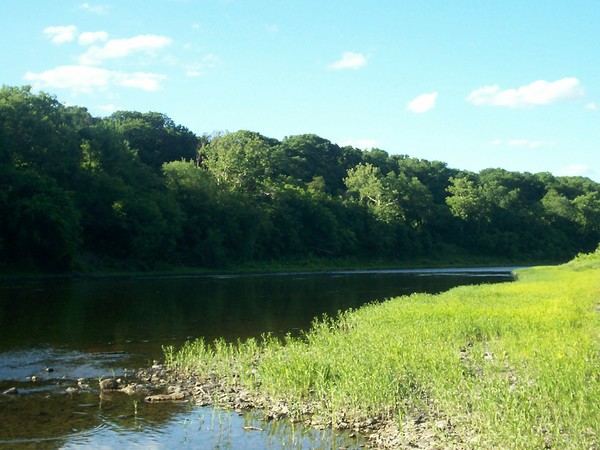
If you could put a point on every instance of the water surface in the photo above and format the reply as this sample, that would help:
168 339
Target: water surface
59 331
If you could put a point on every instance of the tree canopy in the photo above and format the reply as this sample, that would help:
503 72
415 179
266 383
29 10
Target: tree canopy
136 190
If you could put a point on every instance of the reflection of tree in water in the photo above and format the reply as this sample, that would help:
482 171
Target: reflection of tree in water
50 421
118 314
89 315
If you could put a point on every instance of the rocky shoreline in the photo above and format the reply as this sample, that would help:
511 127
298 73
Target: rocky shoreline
420 432
162 384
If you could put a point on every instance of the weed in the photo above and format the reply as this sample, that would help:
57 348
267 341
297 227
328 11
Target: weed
517 361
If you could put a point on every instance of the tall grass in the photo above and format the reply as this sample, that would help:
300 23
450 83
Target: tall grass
512 365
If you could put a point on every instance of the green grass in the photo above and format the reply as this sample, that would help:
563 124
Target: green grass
512 365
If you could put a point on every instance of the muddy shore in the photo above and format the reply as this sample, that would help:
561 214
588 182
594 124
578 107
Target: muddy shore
421 431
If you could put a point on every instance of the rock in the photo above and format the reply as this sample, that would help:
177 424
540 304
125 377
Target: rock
130 389
165 397
174 389
110 384
11 391
441 424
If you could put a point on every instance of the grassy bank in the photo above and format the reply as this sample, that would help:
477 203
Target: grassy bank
513 365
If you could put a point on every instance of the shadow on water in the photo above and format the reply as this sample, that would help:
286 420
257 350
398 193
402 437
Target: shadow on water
62 331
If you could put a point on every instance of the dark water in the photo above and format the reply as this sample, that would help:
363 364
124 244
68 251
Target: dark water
59 331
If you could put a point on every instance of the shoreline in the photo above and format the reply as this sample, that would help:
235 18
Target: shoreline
471 367
422 431
277 268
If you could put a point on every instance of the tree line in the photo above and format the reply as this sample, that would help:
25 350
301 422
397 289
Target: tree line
136 190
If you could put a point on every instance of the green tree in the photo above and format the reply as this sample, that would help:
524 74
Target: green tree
468 200
38 132
308 156
243 161
40 225
156 137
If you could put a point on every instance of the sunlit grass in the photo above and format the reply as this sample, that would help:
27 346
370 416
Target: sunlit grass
513 365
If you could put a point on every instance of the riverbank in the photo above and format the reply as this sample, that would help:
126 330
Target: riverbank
511 365
276 267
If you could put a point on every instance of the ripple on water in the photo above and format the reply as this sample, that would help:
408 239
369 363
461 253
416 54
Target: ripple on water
50 363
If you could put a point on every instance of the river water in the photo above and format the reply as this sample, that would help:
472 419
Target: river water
56 332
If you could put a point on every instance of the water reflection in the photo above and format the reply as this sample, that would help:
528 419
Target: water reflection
84 421
61 330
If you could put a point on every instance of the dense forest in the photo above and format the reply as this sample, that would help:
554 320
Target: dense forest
136 190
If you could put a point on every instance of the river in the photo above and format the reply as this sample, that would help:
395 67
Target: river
55 332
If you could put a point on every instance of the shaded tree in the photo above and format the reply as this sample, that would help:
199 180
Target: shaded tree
156 137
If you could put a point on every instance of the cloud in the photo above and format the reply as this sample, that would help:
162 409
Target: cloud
197 69
422 103
591 106
529 144
86 79
360 143
121 48
349 60
108 109
89 37
272 28
539 92
524 143
139 80
576 170
61 34
95 9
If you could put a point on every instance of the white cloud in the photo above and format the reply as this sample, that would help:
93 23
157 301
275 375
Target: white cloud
197 69
591 106
76 78
349 60
108 109
575 170
523 143
272 28
121 48
86 79
61 34
539 92
422 103
360 143
528 143
139 80
95 9
89 37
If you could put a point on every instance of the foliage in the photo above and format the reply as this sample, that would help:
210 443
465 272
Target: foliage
136 190
512 365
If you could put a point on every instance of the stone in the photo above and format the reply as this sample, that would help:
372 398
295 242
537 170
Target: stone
165 397
109 384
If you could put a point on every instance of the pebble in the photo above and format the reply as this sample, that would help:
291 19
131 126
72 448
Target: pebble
109 384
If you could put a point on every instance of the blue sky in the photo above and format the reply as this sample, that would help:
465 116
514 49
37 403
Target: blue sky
476 84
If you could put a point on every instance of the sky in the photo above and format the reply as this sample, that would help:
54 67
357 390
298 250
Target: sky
512 84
